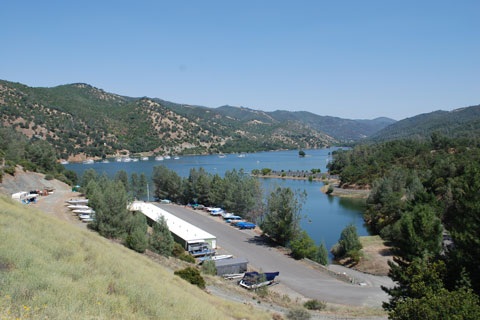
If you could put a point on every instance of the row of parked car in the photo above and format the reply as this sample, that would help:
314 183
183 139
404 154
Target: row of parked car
234 220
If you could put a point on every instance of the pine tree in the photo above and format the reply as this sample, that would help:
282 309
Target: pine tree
322 254
161 240
122 176
137 233
282 219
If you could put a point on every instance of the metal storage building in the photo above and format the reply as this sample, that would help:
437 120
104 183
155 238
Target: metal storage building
181 230
229 266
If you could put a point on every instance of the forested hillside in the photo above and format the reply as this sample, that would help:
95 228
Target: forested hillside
459 123
424 200
82 121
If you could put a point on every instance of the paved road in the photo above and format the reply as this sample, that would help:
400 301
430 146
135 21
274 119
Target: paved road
294 274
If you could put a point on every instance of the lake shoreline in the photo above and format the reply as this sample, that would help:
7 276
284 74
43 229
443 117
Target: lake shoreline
345 193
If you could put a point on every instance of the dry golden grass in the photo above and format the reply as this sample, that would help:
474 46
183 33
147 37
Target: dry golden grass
51 269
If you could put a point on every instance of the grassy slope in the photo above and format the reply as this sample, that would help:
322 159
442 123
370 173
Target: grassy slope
50 269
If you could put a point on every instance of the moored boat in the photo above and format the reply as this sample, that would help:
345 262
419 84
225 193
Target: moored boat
158 158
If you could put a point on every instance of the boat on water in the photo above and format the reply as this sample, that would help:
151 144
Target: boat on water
167 157
119 159
241 155
222 156
64 162
78 206
105 161
135 159
127 159
159 158
144 158
89 161
254 280
77 201
176 158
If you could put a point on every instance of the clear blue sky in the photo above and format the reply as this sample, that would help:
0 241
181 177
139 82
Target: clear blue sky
352 59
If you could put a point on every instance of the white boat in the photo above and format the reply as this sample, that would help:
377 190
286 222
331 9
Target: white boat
118 159
158 158
241 156
127 159
64 162
87 220
221 156
77 201
84 216
167 157
78 206
105 161
222 257
89 161
144 158
83 211
135 159
176 158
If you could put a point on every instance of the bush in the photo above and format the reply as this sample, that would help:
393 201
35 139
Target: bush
178 250
137 241
355 255
298 314
303 246
191 275
48 176
209 267
337 250
330 189
315 304
188 258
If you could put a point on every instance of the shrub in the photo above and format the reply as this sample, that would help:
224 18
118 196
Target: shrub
178 250
48 176
355 255
209 267
298 314
330 189
188 258
315 304
137 241
191 275
303 247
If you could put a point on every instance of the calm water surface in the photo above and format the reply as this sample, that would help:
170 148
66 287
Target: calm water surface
324 217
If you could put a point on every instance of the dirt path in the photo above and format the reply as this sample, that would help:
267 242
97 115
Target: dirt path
54 204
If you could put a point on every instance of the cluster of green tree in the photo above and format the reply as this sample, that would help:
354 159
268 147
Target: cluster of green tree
348 245
112 219
79 118
423 192
281 223
235 192
33 155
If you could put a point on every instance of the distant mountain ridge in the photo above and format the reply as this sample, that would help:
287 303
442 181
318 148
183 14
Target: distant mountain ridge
82 121
458 123
344 130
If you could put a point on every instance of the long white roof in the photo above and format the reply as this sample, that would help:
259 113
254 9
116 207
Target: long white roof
181 228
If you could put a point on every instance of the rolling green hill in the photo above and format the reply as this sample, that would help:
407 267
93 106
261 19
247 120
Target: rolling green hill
80 120
458 123
50 269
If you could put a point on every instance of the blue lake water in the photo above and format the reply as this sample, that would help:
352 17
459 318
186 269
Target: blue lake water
324 216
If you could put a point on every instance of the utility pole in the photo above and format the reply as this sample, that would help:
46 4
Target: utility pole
148 193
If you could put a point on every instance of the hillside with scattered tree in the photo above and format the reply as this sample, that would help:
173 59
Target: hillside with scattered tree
458 123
